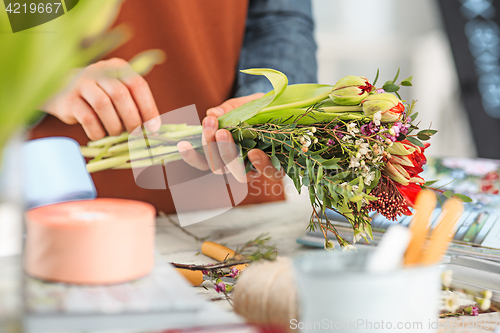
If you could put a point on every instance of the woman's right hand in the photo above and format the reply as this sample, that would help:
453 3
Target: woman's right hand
106 97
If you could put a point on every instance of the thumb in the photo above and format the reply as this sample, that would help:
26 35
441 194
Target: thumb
232 104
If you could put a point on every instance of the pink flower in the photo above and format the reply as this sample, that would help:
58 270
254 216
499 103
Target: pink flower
220 287
380 91
330 142
205 272
475 311
234 272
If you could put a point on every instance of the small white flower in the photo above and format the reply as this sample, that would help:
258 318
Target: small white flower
354 162
485 304
377 117
451 302
364 148
359 142
369 178
349 248
347 138
355 187
307 141
358 234
447 278
487 294
344 184
313 129
329 245
352 129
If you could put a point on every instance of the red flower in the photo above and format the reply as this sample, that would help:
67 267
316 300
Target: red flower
409 192
405 169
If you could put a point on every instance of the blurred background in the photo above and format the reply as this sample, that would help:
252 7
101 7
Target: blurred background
355 37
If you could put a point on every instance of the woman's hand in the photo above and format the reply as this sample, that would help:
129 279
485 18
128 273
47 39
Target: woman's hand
107 96
221 153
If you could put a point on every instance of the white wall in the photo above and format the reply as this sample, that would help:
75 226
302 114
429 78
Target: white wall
355 37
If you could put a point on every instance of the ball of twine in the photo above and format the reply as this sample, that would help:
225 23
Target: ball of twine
266 293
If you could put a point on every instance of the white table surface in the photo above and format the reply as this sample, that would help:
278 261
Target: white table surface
283 221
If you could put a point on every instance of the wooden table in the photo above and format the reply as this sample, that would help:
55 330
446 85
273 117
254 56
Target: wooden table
284 222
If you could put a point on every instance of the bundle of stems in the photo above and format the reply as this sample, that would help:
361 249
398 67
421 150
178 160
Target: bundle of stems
127 150
350 144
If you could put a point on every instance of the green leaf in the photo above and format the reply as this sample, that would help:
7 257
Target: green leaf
330 162
415 141
428 132
312 194
448 194
397 75
390 87
423 136
462 197
310 169
357 198
320 175
296 178
250 109
306 181
248 143
406 83
248 167
291 155
276 162
376 77
430 182
414 116
301 95
320 192
408 79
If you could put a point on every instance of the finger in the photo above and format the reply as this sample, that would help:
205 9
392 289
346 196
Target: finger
263 164
212 155
191 156
84 114
143 98
103 107
122 101
230 155
232 104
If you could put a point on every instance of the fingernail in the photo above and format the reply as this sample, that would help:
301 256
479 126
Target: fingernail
153 125
222 136
256 159
209 123
216 112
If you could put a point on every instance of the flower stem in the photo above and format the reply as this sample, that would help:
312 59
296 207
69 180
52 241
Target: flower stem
299 104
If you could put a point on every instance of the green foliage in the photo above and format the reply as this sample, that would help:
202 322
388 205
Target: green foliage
35 63
250 109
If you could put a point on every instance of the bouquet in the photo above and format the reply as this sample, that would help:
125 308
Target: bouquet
355 147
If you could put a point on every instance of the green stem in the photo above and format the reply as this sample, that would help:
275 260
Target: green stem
162 159
115 161
291 115
91 152
299 104
331 109
109 140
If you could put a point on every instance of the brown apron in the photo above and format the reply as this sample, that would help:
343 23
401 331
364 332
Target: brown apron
202 40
